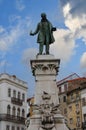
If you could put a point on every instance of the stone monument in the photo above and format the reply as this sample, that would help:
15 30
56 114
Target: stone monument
46 114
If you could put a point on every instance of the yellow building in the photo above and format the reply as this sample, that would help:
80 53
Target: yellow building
70 102
63 88
74 108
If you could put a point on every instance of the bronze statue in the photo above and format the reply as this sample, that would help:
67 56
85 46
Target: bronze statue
45 33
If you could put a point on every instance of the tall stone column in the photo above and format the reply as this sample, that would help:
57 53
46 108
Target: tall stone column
46 113
45 68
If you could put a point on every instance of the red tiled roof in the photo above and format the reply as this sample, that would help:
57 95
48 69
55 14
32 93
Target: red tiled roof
76 83
81 78
67 78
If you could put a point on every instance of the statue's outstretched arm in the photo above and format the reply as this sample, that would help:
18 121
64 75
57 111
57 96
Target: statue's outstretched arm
35 32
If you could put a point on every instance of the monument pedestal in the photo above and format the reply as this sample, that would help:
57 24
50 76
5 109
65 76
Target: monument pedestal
46 113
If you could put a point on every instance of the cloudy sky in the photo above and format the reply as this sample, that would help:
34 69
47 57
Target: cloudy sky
19 17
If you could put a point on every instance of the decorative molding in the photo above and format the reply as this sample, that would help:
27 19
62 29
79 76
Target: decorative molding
44 67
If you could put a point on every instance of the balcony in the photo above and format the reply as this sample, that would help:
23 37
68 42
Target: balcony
12 118
16 101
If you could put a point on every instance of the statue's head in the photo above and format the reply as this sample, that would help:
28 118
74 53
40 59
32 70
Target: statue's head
43 15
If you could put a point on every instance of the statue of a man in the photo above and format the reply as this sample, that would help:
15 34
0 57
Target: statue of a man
45 34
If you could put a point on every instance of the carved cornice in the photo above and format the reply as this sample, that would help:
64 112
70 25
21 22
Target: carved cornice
50 66
44 68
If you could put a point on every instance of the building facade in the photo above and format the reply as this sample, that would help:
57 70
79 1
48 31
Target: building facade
13 102
83 103
72 97
74 109
63 88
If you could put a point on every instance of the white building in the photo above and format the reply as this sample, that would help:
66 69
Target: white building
13 102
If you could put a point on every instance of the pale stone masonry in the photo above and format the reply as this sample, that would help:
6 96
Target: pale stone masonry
46 114
13 102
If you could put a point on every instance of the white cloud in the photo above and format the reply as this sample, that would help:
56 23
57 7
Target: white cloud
20 5
9 38
64 46
12 34
29 54
66 9
78 7
83 60
1 29
75 19
73 23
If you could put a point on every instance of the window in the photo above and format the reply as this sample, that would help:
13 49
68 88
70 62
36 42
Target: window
23 97
7 127
14 111
23 113
8 109
9 92
84 117
14 93
77 106
83 102
64 98
59 100
65 87
71 120
60 89
78 122
65 110
77 95
13 127
71 96
18 128
18 112
18 95
78 119
70 108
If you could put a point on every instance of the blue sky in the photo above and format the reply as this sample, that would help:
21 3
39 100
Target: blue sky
19 17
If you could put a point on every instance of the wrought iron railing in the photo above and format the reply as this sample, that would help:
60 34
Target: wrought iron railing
12 118
16 101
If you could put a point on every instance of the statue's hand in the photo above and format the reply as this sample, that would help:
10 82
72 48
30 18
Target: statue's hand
53 29
31 33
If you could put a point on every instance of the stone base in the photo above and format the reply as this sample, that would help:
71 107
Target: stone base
46 114
45 69
35 124
41 57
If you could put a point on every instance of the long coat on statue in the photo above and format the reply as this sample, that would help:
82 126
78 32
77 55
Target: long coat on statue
45 32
